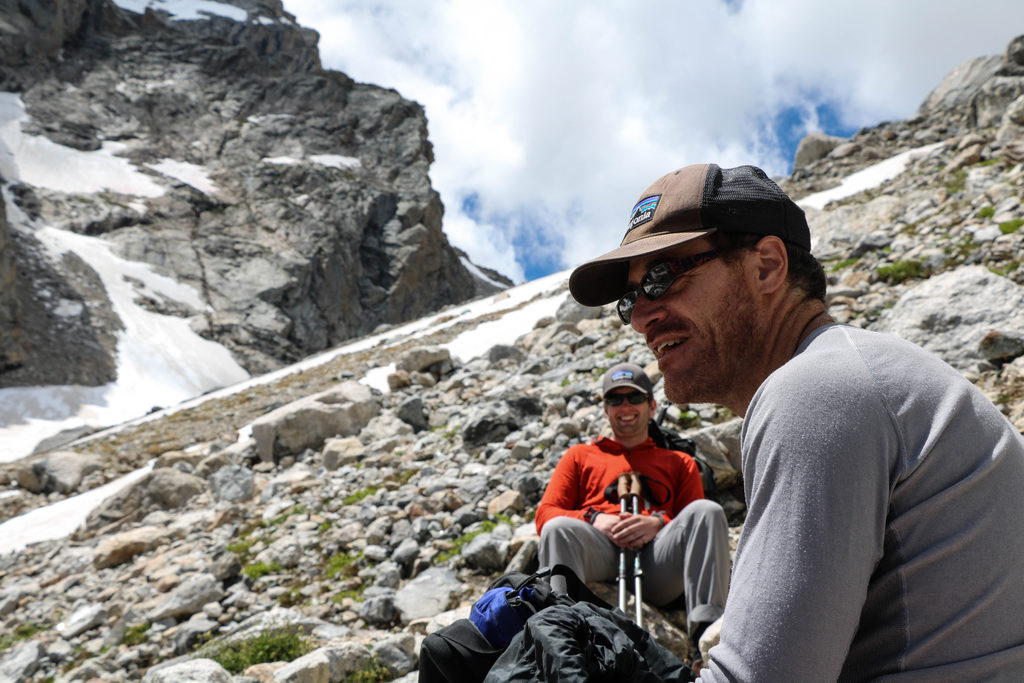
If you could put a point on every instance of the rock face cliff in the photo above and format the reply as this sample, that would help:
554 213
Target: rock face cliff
12 344
294 200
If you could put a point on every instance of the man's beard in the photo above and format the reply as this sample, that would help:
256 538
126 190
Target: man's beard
725 354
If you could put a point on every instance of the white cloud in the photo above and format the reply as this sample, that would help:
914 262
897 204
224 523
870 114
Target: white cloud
494 252
563 112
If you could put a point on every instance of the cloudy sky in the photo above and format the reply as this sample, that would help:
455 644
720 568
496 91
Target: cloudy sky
549 118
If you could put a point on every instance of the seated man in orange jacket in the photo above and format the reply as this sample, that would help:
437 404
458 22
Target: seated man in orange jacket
683 539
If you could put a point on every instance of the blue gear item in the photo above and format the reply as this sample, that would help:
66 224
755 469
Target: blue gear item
501 613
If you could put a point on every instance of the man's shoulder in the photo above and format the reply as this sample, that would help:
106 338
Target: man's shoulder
839 360
838 341
830 359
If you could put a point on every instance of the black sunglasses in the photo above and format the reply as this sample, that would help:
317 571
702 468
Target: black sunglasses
659 278
634 397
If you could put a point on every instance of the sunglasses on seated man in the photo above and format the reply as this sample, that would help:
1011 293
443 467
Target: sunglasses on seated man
658 279
634 397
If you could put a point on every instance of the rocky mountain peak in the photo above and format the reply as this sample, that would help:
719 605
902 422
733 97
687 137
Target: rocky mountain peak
972 105
294 200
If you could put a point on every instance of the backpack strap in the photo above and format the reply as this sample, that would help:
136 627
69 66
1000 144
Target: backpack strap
577 590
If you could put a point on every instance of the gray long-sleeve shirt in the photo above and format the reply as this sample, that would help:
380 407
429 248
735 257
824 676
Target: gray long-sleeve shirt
885 530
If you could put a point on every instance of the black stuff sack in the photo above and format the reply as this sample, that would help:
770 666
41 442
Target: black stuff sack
464 651
456 653
584 643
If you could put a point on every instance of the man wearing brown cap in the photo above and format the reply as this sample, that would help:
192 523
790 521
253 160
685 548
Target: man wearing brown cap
885 528
683 540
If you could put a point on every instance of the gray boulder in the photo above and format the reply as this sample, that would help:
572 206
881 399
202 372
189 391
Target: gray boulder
720 446
59 471
411 412
379 606
233 483
428 594
308 422
961 85
487 552
188 671
385 427
192 632
188 597
296 477
571 312
397 653
1011 128
815 145
21 661
162 489
83 619
488 423
406 553
505 352
421 359
327 664
342 451
285 551
968 317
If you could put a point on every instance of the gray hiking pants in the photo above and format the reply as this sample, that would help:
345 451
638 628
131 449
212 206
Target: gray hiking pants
689 556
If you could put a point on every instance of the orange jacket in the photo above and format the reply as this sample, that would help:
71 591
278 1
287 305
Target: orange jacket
581 476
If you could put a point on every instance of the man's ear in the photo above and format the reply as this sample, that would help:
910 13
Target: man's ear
770 263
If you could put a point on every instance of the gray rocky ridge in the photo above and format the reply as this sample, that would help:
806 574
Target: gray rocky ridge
357 520
316 222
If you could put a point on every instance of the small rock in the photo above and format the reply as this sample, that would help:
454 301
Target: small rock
189 597
189 671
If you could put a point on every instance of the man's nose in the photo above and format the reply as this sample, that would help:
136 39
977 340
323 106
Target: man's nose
645 313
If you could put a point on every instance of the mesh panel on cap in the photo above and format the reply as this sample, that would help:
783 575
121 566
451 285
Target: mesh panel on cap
745 199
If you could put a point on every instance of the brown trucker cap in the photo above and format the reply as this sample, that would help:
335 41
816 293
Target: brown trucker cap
683 205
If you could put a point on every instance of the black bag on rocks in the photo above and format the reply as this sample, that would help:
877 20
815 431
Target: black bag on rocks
460 653
585 643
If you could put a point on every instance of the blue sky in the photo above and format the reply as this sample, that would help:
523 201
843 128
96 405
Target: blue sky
790 126
549 119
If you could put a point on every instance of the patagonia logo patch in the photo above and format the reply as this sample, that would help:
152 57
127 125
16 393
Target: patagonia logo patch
643 211
621 375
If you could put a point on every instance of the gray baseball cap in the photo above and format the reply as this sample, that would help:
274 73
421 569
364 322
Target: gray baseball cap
626 375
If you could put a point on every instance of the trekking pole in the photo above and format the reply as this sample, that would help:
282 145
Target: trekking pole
623 494
635 492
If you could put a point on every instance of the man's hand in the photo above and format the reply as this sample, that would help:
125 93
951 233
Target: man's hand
628 531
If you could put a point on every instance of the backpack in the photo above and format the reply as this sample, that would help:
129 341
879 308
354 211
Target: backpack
464 651
584 643
666 438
